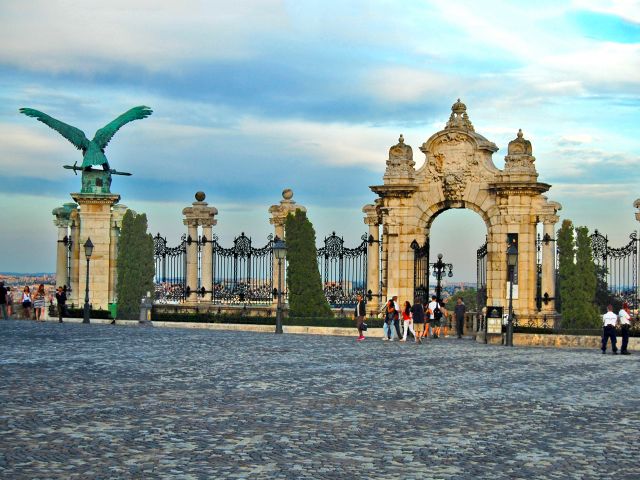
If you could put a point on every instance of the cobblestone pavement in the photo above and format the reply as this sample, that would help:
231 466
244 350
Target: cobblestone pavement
80 401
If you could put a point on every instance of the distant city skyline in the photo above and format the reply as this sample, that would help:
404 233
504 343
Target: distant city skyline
253 97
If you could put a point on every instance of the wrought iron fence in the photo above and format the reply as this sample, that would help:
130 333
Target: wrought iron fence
421 270
343 270
171 267
617 269
242 274
481 276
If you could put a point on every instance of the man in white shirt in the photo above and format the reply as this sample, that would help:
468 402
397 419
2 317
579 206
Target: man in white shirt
625 324
609 321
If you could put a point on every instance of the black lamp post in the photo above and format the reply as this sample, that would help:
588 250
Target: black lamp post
512 262
88 250
440 270
279 252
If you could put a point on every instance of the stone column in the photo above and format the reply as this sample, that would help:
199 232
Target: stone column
207 260
548 286
74 297
373 258
62 221
199 213
192 258
279 214
117 213
95 223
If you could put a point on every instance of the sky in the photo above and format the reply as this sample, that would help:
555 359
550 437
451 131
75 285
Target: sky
252 97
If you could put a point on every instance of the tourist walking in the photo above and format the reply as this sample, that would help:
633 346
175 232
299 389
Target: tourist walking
359 314
3 301
609 321
396 316
407 318
39 300
459 310
26 302
625 324
417 312
61 300
442 328
388 319
434 315
9 302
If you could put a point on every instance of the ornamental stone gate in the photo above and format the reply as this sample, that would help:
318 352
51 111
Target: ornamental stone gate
458 172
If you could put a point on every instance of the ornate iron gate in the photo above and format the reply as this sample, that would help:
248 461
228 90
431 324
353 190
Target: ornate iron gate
242 274
343 270
617 268
171 266
421 270
481 276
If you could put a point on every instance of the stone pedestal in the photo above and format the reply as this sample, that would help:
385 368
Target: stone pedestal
373 259
199 214
95 223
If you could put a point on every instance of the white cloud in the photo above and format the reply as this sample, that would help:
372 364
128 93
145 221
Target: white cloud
89 36
626 9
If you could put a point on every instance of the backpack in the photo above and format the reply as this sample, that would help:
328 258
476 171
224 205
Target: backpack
437 313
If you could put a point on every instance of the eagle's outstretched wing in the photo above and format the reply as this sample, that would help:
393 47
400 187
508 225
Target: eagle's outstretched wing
73 134
106 133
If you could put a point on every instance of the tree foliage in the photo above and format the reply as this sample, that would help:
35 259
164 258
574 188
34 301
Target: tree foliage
306 296
577 277
469 297
135 264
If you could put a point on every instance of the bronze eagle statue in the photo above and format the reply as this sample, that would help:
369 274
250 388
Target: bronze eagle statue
92 150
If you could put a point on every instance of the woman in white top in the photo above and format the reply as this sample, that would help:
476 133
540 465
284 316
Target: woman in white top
26 302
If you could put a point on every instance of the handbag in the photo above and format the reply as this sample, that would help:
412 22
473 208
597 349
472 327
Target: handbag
364 327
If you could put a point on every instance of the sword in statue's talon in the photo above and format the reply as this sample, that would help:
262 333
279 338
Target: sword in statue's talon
73 167
115 172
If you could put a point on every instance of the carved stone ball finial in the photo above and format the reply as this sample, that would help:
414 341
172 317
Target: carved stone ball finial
200 196
287 194
401 139
520 134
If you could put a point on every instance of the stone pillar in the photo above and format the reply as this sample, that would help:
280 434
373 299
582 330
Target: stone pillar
73 296
192 258
199 213
279 214
95 223
548 287
117 213
62 221
207 260
373 258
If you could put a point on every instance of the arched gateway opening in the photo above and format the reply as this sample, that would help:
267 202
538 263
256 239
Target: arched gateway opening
458 172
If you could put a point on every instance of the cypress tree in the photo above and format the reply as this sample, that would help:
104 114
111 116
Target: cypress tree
306 297
566 271
587 313
135 264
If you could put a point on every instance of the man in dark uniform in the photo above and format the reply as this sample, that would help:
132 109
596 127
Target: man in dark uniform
61 298
359 314
459 310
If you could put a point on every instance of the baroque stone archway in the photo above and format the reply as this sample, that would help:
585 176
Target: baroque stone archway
458 172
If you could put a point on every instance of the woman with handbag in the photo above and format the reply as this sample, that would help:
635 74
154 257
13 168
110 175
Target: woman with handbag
39 300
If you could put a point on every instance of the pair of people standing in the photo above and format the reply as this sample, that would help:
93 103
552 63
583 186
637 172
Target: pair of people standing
438 318
609 321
